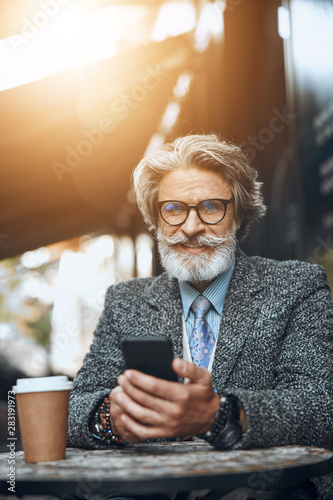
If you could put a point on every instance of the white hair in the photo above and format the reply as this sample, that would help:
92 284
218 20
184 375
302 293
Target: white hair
206 152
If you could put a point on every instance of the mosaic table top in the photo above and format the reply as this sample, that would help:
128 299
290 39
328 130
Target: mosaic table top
167 465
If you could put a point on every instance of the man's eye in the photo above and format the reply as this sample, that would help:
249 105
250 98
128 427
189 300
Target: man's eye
209 206
174 208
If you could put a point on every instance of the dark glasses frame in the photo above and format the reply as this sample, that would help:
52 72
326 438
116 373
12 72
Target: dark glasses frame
195 207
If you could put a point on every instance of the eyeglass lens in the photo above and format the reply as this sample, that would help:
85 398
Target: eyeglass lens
175 212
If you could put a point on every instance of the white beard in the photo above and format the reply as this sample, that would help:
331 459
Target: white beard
201 267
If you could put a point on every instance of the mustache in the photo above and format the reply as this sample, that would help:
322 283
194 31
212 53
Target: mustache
200 240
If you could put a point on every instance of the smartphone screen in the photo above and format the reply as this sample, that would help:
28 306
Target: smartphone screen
151 355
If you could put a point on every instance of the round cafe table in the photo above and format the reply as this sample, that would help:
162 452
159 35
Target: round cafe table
163 467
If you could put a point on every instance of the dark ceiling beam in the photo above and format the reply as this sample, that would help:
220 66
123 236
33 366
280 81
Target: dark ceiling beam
53 124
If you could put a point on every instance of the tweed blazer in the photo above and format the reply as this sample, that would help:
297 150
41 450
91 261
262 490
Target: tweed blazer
274 350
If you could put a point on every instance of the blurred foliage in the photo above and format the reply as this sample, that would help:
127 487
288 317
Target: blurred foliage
41 329
27 315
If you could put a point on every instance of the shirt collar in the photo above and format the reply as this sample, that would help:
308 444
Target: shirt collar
215 292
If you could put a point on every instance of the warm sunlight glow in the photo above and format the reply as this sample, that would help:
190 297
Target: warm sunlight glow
156 141
307 36
210 25
171 113
182 86
170 117
72 35
283 22
75 37
174 18
99 249
144 255
126 257
35 258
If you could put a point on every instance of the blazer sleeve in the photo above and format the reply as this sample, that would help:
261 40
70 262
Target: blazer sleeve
298 408
96 378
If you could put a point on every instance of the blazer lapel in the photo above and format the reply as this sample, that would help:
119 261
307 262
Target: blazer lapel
241 308
164 297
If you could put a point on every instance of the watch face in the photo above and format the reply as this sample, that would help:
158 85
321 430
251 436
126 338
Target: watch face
226 430
229 436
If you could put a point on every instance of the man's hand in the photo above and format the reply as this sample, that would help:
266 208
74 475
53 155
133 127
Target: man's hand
144 407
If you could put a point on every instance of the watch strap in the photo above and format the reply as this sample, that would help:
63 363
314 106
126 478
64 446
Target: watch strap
226 429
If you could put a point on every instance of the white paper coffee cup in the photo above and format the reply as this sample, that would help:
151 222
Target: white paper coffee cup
42 384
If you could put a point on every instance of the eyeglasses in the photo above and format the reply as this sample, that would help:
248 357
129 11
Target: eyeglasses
208 211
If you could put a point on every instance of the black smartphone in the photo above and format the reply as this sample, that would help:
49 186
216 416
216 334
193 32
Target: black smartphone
151 355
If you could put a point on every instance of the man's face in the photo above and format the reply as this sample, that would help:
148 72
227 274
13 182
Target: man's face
192 251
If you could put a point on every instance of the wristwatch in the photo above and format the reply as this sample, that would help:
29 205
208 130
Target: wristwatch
226 429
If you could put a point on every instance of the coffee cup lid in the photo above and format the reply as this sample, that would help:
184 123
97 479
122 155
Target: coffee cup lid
42 384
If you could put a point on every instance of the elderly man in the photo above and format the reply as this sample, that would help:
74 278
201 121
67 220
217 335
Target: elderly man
252 337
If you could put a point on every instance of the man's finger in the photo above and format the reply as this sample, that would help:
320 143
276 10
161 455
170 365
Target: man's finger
147 416
142 432
116 423
142 397
195 374
156 386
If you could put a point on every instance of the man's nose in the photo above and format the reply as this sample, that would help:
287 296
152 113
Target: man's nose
193 224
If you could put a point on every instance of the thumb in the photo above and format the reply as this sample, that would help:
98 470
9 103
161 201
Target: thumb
194 373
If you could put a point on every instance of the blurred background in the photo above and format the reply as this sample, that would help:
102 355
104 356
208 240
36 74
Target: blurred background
87 87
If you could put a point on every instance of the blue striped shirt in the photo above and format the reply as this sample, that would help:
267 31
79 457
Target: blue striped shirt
215 293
